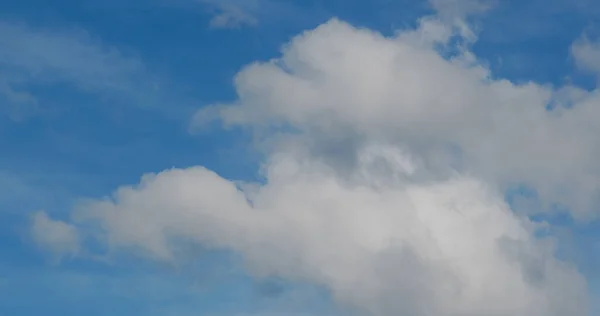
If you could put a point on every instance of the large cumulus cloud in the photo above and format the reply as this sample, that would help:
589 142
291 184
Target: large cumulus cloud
384 169
338 83
451 247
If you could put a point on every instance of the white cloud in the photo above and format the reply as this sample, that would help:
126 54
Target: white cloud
399 248
356 84
388 189
237 14
461 8
587 54
230 14
19 104
58 237
232 17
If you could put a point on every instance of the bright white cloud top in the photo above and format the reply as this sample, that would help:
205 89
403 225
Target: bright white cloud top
386 163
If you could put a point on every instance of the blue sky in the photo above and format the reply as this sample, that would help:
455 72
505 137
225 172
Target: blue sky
93 94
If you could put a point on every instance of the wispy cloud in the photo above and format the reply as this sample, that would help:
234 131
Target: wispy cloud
586 53
461 8
31 56
19 104
232 16
236 14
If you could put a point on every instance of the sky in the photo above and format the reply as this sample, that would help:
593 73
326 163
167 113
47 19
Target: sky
305 158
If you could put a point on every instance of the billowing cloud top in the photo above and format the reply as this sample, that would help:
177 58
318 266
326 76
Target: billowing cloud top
354 83
384 172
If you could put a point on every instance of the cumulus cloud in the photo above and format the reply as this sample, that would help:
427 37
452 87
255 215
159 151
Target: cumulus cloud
383 179
56 236
587 54
357 84
437 248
